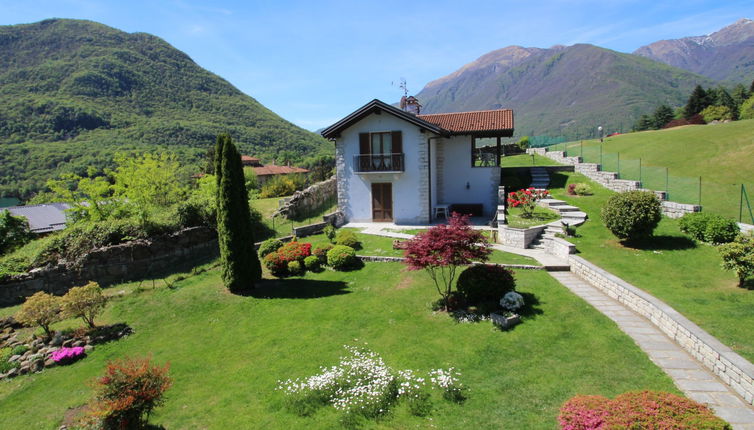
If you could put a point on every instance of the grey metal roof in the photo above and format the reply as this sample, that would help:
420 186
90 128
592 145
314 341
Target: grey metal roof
42 218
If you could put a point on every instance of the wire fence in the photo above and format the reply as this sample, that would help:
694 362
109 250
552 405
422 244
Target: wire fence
732 200
542 141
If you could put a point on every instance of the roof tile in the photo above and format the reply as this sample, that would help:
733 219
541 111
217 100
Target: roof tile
477 121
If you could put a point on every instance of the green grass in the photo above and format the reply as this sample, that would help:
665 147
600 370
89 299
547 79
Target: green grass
383 246
280 226
227 352
538 217
721 154
525 160
684 274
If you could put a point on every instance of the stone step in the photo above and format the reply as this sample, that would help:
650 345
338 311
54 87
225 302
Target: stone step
552 202
567 208
574 214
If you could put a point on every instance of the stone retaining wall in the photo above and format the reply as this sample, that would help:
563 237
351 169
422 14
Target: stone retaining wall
559 248
733 369
610 181
385 259
518 237
118 263
314 196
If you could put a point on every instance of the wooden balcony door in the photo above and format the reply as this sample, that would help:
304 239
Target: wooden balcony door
382 202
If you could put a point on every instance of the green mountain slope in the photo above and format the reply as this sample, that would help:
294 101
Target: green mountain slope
565 91
73 92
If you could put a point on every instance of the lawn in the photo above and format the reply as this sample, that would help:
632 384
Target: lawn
540 216
684 274
383 246
526 160
280 226
227 352
721 154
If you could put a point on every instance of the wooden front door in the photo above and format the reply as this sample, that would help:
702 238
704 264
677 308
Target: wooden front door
382 202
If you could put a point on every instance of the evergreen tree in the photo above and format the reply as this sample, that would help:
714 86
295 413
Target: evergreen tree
662 116
645 122
723 98
238 256
751 88
697 102
739 94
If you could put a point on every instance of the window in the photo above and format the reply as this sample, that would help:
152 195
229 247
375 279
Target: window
380 152
485 152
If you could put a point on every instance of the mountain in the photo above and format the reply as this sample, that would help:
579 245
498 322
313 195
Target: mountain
727 54
562 90
73 92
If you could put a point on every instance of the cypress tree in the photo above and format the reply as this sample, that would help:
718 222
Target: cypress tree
238 256
663 115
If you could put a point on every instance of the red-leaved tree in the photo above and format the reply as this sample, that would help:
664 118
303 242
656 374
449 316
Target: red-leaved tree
445 247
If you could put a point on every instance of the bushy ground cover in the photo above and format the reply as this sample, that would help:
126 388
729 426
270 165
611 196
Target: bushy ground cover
671 266
228 352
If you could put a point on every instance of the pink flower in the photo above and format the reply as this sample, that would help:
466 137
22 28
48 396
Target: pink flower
67 354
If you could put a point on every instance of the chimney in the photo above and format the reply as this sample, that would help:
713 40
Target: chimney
411 105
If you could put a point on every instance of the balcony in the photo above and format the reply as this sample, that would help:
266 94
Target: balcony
378 163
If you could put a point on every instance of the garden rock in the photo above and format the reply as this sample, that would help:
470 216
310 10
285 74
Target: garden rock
49 362
14 358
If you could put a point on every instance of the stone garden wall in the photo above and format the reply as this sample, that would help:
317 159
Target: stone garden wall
610 181
518 237
733 369
118 263
313 197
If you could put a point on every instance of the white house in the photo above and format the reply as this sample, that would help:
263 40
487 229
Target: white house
393 165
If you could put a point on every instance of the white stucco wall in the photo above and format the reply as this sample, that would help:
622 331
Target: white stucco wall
457 171
410 188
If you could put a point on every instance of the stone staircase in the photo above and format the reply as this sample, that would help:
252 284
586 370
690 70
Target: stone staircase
540 179
548 233
570 215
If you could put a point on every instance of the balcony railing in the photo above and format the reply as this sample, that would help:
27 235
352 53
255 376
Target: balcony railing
378 163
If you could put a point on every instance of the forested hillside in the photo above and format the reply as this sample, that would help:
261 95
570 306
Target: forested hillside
72 93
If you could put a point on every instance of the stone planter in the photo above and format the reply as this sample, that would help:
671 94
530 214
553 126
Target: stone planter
519 237
505 321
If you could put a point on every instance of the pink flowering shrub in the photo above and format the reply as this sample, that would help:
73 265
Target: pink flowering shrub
651 410
68 355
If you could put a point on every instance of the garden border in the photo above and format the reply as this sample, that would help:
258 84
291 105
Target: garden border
734 370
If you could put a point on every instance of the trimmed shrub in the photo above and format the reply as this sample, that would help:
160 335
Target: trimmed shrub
709 227
311 263
41 309
640 410
295 268
84 302
483 284
582 189
632 215
295 251
346 238
268 246
275 264
128 392
330 231
320 251
341 257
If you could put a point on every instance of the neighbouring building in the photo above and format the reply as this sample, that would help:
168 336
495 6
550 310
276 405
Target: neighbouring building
395 165
43 218
265 173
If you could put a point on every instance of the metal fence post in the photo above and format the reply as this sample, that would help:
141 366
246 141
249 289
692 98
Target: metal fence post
619 165
600 157
741 204
581 151
700 191
640 172
667 188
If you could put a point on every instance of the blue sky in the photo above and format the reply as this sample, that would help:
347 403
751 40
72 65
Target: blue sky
313 62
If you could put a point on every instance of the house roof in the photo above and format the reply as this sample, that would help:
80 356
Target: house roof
378 106
42 218
481 123
277 170
476 122
248 158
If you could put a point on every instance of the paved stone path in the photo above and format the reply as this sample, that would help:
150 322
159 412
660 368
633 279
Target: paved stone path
689 375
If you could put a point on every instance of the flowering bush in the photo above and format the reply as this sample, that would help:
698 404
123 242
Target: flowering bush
275 264
526 199
512 301
362 384
68 355
128 392
295 251
641 410
320 251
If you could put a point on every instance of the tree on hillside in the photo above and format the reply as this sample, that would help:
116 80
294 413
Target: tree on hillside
238 256
739 94
724 99
645 122
751 88
14 232
442 249
663 115
697 102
